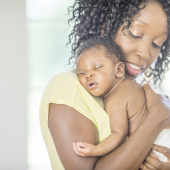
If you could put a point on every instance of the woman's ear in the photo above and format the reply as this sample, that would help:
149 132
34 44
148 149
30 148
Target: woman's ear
120 69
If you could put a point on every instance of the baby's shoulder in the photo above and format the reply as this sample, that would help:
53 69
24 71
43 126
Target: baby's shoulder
127 92
131 90
130 86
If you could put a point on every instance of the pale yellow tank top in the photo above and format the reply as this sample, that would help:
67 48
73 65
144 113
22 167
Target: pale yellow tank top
64 88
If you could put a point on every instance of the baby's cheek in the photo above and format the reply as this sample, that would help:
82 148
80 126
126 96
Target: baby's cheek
82 81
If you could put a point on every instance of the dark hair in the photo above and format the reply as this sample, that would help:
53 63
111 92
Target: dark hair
111 49
90 16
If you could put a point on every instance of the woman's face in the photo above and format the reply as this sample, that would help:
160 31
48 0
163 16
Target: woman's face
142 41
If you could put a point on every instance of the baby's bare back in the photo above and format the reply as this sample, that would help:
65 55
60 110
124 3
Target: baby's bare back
136 107
132 97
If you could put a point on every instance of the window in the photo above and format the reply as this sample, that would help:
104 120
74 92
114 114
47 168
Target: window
48 55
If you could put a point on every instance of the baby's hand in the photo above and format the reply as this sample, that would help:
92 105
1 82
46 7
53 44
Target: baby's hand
84 149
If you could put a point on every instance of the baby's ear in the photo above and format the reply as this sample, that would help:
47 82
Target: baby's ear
120 69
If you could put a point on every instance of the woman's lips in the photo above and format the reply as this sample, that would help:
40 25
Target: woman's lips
133 69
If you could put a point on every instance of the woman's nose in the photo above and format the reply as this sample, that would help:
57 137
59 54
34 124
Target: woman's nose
143 51
143 54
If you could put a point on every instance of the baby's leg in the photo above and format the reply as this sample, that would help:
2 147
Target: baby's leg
85 149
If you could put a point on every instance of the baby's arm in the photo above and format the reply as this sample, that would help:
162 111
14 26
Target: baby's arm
68 125
116 108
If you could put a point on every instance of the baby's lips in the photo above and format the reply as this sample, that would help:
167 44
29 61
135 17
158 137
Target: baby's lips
89 83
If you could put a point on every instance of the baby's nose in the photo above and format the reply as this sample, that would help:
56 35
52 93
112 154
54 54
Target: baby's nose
89 74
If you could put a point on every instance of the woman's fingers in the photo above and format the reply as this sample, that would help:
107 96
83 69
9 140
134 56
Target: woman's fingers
144 167
147 165
147 87
158 106
163 150
151 96
152 161
153 155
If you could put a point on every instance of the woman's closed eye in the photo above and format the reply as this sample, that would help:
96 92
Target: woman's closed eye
156 46
137 37
134 36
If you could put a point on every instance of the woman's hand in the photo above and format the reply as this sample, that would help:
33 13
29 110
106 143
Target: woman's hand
152 161
158 106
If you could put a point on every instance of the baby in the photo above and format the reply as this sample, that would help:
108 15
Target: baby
101 72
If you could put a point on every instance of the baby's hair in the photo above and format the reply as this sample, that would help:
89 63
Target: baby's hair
91 16
111 49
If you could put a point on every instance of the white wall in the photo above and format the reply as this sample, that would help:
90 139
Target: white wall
13 85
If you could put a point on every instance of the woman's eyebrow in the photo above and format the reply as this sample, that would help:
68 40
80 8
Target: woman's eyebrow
165 33
138 20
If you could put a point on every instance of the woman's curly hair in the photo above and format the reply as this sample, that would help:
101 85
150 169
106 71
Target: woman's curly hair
91 16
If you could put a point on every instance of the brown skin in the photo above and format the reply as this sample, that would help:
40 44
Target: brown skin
103 75
67 125
93 66
150 159
123 118
107 75
142 40
100 74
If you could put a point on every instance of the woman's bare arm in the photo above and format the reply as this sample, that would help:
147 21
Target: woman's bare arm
152 161
67 126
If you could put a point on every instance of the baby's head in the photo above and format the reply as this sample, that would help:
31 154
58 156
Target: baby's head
99 65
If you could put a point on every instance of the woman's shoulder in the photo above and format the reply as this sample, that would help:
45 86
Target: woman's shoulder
64 88
62 80
61 88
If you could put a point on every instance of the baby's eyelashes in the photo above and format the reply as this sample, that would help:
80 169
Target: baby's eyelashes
98 67
80 73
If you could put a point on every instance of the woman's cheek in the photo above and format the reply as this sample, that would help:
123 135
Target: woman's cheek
127 46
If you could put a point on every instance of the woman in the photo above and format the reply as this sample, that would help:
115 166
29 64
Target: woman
141 29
